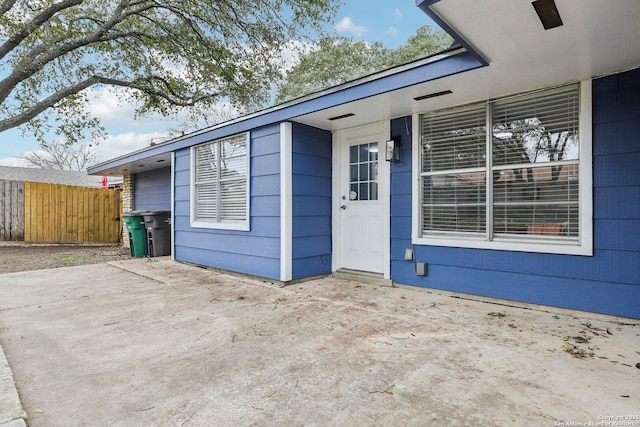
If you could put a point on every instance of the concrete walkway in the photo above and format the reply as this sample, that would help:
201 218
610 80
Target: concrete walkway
151 342
11 412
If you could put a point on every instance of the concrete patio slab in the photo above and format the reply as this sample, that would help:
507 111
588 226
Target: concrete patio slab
11 412
158 343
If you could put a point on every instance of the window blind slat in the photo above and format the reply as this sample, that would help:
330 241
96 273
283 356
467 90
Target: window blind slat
221 173
534 177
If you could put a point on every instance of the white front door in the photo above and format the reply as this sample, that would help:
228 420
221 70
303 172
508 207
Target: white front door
361 199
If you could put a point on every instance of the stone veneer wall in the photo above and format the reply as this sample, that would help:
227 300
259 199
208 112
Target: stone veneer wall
127 204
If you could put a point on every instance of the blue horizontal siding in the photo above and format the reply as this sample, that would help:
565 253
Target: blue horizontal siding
310 246
317 265
319 186
265 206
246 264
256 251
311 205
617 202
618 234
596 268
152 190
311 201
231 242
268 185
621 137
616 170
607 282
310 165
266 164
602 297
319 225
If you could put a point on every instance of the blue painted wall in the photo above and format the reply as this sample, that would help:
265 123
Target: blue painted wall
311 187
254 252
608 282
152 190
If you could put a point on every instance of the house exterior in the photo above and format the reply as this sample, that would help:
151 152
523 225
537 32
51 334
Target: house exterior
512 167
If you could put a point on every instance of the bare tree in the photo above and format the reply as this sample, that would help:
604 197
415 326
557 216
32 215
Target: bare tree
63 156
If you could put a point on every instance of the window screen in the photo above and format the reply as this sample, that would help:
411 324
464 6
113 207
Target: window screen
221 177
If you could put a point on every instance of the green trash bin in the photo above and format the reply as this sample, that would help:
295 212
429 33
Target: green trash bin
134 222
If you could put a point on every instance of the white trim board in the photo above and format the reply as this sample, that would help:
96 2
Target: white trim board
286 202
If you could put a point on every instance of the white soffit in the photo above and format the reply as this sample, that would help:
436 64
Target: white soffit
598 37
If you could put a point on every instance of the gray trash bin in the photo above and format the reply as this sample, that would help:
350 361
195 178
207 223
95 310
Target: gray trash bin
158 224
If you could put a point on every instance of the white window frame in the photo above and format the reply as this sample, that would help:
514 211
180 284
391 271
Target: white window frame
209 223
584 245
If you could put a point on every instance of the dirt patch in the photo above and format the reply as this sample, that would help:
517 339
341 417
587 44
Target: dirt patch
23 257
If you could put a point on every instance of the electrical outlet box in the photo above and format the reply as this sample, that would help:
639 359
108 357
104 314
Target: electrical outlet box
421 268
408 254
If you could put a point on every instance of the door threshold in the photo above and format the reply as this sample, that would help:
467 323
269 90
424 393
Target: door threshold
363 276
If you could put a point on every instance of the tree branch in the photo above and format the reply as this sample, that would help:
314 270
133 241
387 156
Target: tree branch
44 104
6 5
23 71
35 23
170 96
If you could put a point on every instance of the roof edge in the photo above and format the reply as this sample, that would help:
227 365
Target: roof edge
426 7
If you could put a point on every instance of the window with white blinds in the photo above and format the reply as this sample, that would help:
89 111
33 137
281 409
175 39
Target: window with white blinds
220 183
507 169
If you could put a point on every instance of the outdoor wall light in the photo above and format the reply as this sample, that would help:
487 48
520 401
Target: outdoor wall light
393 149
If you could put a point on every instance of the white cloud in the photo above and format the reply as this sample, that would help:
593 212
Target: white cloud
348 26
397 14
14 162
114 107
392 31
124 143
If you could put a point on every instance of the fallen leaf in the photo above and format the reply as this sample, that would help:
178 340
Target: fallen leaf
549 417
580 340
494 314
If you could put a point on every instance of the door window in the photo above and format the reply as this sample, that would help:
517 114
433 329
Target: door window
363 171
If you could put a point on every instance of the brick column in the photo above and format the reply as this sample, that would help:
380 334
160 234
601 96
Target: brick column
127 204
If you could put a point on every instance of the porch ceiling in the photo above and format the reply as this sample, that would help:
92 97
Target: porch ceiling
597 38
139 165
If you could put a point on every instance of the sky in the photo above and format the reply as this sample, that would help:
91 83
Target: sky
388 21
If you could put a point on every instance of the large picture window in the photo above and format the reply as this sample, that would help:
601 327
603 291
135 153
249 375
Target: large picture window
507 171
220 182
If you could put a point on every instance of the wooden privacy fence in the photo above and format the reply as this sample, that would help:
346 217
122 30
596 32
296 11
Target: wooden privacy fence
55 213
11 210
